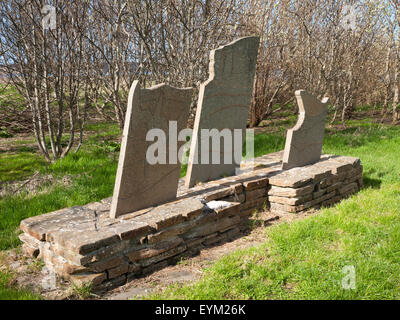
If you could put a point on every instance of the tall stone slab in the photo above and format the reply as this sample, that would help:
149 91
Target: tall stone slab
304 141
224 101
140 184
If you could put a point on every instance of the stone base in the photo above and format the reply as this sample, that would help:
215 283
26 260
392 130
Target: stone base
83 244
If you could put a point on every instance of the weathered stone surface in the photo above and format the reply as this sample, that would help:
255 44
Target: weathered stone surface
304 141
140 184
290 192
318 193
172 213
252 184
151 251
210 193
104 252
224 101
317 200
30 251
127 230
232 209
256 204
331 201
227 235
360 183
211 227
85 278
293 178
282 208
335 186
277 207
111 283
163 256
195 242
29 240
135 268
84 242
172 231
255 194
155 267
241 197
291 201
109 263
74 218
348 189
117 271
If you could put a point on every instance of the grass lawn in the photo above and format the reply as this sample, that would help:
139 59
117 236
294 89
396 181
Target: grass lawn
301 260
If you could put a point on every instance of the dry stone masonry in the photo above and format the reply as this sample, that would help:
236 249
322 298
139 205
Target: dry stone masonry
84 243
224 101
140 184
304 141
153 218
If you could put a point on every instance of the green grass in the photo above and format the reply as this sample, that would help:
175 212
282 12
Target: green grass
305 259
7 292
17 166
93 170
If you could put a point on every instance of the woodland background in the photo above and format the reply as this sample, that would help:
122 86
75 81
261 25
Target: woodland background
54 81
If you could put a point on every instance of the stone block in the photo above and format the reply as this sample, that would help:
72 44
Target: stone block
256 204
290 192
163 256
118 271
256 194
319 193
108 263
348 189
212 227
256 184
83 279
138 254
291 201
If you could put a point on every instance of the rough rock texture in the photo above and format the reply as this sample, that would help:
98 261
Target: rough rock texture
83 244
140 184
304 141
223 104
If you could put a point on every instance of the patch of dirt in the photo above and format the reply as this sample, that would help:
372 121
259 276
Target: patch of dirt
11 144
31 274
34 185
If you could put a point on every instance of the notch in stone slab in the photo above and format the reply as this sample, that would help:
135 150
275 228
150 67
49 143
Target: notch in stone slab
304 141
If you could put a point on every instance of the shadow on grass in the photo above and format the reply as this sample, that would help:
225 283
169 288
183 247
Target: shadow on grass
372 183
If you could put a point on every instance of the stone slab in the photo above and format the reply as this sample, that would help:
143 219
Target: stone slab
304 141
224 101
139 183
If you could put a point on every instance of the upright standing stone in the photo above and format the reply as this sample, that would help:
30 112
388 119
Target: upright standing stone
223 103
304 141
140 184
